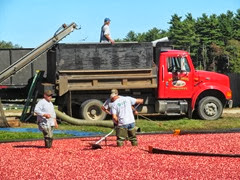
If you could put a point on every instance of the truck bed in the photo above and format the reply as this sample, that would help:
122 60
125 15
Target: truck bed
101 66
106 79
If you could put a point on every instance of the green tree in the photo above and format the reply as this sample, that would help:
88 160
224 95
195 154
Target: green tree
213 41
154 34
233 52
190 39
131 36
7 45
208 32
236 26
226 26
149 36
183 33
220 60
176 31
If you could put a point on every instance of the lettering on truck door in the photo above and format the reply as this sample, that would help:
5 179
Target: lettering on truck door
178 78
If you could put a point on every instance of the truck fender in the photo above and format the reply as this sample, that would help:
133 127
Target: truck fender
208 86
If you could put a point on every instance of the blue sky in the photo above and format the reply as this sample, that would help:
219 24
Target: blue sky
29 23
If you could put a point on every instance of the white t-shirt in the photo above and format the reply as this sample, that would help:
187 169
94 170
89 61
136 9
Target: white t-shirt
45 107
105 31
122 107
108 105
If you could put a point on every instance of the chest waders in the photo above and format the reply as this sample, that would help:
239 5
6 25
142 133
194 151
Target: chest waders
126 134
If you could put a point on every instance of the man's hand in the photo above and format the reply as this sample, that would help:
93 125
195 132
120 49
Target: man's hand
114 125
112 41
135 112
47 116
109 39
115 119
106 110
56 124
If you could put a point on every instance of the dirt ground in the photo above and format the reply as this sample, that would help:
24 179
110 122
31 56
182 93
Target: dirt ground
231 112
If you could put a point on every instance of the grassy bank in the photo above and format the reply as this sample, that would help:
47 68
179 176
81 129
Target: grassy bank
158 125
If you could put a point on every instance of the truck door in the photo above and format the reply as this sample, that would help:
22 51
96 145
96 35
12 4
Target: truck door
177 78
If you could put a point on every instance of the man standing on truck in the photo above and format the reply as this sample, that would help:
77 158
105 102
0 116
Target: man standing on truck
105 32
122 114
46 117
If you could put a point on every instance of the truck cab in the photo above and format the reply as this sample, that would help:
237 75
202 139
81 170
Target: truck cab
182 89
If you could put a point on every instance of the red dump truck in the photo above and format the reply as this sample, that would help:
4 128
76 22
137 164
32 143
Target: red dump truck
82 76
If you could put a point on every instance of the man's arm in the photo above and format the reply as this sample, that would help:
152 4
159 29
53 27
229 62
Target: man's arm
106 110
115 119
138 101
55 122
107 34
109 38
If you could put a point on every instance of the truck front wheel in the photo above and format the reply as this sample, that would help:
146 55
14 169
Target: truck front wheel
91 110
210 108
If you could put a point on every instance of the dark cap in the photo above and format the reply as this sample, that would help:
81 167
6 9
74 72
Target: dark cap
48 93
107 20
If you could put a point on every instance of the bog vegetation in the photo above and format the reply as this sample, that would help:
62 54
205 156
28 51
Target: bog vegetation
160 124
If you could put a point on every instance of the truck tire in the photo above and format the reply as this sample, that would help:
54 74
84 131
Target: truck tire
210 108
91 110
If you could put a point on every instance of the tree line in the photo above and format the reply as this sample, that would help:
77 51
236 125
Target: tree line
8 45
213 41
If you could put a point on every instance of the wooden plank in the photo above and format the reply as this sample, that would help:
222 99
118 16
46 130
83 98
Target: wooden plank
106 87
104 83
124 82
103 71
95 82
74 78
63 85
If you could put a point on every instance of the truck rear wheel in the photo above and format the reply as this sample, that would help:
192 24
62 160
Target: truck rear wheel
91 110
210 108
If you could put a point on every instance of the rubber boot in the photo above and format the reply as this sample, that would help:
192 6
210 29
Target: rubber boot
132 136
121 136
51 140
47 143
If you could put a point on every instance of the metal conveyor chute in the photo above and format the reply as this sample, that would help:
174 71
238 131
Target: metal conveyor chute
32 55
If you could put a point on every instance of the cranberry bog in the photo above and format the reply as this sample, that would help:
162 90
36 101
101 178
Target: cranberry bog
75 159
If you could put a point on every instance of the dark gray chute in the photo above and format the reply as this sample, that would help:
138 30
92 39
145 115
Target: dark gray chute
82 122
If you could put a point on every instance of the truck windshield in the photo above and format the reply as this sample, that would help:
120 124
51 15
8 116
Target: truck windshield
177 64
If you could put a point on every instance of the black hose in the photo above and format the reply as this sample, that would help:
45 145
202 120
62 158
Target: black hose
161 151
